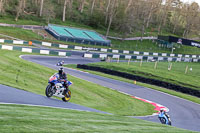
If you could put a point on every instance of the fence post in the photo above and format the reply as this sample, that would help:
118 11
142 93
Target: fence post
129 61
186 69
155 66
141 63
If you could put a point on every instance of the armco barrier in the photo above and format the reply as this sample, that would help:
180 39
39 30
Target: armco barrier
118 51
167 85
13 41
35 50
139 57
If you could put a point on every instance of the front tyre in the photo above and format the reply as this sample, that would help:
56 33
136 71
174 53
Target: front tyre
49 91
162 120
67 96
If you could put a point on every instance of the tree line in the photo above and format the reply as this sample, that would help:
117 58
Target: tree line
124 16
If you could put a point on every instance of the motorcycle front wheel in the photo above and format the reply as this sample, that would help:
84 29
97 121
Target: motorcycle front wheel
162 120
49 91
67 96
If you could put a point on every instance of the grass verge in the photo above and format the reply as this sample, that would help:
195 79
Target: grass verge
32 77
44 119
175 76
171 92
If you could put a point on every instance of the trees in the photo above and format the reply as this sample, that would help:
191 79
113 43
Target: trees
81 6
19 9
124 16
1 6
111 14
41 7
64 10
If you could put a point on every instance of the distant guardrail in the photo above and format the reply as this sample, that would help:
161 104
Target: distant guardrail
35 50
23 26
116 51
139 57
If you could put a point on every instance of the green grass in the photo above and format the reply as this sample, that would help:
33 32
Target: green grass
176 75
19 118
171 92
149 46
19 33
32 77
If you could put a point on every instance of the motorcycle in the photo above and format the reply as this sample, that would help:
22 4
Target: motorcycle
164 118
56 88
60 63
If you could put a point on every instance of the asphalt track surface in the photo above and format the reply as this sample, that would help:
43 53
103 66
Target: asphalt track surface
184 114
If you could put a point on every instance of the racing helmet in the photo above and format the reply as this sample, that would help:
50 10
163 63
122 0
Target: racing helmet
162 110
60 70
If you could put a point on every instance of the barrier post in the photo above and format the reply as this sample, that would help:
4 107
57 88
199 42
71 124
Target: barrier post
171 66
118 60
134 81
129 61
186 69
141 63
155 66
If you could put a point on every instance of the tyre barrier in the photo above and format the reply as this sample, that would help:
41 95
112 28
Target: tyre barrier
35 50
156 82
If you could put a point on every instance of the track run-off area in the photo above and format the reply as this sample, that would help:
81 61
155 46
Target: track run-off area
184 114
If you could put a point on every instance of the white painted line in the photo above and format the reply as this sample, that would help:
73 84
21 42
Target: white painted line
169 59
150 58
160 58
29 50
136 52
139 57
128 57
44 51
78 48
88 55
187 56
180 55
146 53
104 50
172 55
46 44
115 51
194 56
164 54
116 56
2 40
7 47
126 52
17 42
62 53
63 46
155 54
103 55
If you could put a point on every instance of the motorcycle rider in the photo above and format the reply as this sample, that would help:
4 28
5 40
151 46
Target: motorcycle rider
166 116
62 77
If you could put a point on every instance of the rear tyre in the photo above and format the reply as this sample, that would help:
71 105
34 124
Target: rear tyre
67 96
49 91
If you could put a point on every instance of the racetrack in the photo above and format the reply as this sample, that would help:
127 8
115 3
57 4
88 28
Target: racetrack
184 114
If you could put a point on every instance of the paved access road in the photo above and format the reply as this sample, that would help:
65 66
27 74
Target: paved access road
184 114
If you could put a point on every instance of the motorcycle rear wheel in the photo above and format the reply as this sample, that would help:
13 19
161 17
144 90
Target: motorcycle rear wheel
67 96
48 91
